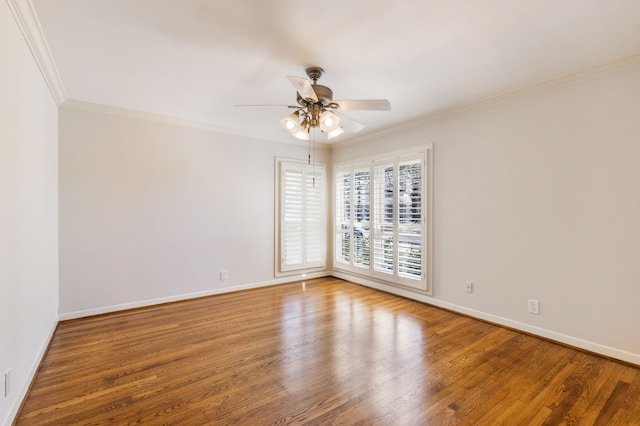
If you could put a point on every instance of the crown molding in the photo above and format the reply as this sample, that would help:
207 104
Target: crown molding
505 97
27 20
159 118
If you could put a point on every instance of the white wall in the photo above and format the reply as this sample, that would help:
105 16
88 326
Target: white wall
540 198
152 211
28 214
534 198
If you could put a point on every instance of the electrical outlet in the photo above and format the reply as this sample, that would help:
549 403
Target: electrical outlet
224 275
7 383
468 286
534 306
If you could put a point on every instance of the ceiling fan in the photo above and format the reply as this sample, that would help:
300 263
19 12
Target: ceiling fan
317 109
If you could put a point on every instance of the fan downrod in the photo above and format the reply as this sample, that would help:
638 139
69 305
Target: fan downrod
323 93
314 73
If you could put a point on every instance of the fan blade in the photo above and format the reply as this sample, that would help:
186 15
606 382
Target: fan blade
368 104
269 105
349 123
303 87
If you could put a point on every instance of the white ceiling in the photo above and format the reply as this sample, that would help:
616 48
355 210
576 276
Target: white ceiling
197 59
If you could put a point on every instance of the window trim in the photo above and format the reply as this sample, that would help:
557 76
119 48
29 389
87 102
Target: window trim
425 152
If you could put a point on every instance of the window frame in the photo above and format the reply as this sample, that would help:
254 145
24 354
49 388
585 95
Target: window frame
305 267
425 154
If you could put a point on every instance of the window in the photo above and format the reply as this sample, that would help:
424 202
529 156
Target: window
301 218
382 218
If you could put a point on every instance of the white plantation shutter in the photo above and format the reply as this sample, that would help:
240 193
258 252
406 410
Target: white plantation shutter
314 218
302 216
292 212
352 233
382 219
410 219
342 233
361 217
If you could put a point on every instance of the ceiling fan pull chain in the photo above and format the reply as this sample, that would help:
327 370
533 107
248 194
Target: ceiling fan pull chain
309 154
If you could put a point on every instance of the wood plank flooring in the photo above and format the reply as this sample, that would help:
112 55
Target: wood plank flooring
326 352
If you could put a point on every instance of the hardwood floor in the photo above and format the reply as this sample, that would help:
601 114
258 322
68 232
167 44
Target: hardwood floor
327 352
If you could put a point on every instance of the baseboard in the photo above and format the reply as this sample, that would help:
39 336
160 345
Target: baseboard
31 375
586 345
176 298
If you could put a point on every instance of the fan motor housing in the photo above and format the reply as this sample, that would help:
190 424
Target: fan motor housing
324 94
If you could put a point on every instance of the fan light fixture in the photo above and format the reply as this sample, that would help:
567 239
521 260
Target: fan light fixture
292 123
299 123
329 121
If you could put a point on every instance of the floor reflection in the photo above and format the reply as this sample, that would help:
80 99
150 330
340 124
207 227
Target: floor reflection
369 351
